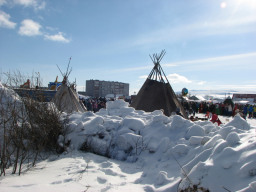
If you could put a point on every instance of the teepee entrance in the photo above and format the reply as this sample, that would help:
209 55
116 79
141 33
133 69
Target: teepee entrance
157 93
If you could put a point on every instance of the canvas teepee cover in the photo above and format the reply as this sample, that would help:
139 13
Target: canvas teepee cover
66 99
157 93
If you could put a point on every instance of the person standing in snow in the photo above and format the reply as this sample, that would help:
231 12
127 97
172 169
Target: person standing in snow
245 111
250 110
217 109
234 110
226 110
222 109
254 111
230 110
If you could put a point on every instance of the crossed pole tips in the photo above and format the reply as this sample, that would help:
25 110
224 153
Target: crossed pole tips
67 73
157 72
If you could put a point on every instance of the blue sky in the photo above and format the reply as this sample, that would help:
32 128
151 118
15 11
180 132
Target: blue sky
210 44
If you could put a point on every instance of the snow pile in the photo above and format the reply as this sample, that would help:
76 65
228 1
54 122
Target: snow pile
10 103
211 156
157 153
8 97
116 108
238 121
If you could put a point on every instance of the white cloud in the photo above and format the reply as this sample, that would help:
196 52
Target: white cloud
238 61
201 82
176 78
169 65
51 28
30 28
41 6
58 37
228 26
2 2
25 3
237 87
143 77
5 21
37 4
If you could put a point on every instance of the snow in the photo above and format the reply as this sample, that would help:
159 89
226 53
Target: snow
142 151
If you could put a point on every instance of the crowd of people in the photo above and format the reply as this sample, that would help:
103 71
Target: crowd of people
226 108
96 103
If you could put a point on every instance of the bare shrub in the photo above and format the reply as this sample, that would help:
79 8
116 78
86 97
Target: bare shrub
27 129
194 188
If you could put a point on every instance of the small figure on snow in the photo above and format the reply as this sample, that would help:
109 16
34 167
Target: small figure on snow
215 119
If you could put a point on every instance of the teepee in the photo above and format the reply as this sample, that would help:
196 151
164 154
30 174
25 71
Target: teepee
157 93
66 99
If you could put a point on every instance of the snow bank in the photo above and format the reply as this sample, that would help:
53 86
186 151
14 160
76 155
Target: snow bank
10 104
170 152
206 150
239 123
8 97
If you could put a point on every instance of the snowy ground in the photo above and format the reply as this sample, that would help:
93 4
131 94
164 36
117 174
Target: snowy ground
78 171
151 149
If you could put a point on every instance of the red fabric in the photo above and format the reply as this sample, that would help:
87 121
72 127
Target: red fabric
207 114
215 119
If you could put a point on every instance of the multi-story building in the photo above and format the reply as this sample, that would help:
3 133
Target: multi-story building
97 88
245 97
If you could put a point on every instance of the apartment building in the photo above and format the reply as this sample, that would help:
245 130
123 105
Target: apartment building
97 88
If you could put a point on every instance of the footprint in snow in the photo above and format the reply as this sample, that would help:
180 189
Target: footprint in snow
109 172
56 182
106 164
106 189
101 180
67 180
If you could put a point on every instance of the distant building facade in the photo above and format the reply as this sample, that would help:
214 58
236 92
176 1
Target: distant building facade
249 97
97 88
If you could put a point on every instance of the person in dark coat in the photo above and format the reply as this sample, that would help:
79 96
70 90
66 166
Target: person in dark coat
245 111
250 110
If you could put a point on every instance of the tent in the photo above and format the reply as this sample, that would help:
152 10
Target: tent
228 101
66 99
157 93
